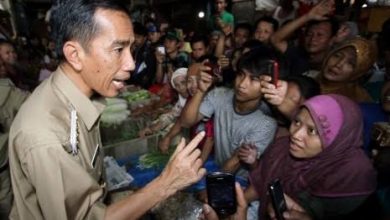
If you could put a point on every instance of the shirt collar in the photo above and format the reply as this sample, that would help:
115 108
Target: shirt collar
88 110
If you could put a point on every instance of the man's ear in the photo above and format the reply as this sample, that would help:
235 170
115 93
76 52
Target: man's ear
74 53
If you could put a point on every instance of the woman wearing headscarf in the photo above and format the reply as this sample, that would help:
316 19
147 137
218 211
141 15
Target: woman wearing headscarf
321 165
165 121
345 67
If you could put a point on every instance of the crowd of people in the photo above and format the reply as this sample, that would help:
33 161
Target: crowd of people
283 97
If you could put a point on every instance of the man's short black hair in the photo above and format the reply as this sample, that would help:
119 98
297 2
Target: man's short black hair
334 24
307 85
4 42
200 38
268 19
256 62
74 20
140 29
245 26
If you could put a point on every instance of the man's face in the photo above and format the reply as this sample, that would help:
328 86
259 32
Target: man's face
240 37
319 38
154 36
247 87
171 45
220 5
263 32
139 40
107 62
8 54
198 50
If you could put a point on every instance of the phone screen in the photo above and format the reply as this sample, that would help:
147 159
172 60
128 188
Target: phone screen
221 193
278 202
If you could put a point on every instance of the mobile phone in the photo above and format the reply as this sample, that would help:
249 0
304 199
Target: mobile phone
275 190
161 49
215 70
273 70
221 193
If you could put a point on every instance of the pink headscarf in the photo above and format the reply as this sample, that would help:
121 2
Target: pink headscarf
341 170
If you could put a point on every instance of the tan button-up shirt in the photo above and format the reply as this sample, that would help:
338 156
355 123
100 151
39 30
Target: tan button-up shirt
11 98
49 182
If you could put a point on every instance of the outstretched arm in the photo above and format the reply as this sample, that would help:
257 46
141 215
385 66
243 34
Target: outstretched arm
183 169
318 12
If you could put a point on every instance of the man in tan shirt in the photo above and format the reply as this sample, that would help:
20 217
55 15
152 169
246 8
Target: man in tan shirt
11 98
54 144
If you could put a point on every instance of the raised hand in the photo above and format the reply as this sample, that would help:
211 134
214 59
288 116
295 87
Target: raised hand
274 95
321 10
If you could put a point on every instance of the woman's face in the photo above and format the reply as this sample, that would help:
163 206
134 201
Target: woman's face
192 85
181 85
305 141
341 65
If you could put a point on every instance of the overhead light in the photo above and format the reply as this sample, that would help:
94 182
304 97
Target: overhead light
201 14
364 6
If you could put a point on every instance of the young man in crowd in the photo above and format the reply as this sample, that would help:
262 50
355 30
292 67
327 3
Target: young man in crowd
11 98
172 58
222 20
154 35
242 33
265 27
55 152
238 118
319 35
199 46
145 61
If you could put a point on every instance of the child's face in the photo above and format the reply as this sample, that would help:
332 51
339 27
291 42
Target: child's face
180 83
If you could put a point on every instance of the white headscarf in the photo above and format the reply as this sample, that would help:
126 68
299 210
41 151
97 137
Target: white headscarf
177 73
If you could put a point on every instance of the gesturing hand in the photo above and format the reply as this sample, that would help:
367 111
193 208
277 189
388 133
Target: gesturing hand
185 166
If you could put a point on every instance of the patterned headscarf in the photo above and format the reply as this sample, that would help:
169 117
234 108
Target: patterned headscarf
366 54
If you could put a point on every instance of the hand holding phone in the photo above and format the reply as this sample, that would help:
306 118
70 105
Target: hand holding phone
215 71
161 49
279 204
221 193
273 70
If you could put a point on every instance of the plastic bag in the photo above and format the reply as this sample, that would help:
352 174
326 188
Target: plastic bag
181 206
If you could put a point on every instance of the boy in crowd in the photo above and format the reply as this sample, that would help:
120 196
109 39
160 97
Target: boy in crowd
222 20
238 118
265 27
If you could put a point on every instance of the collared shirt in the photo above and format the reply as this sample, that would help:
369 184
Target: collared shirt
11 98
49 182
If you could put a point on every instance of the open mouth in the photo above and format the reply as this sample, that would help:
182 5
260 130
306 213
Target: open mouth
119 84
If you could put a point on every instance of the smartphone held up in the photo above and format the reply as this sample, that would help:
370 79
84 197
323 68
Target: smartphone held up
215 71
221 193
275 191
273 70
